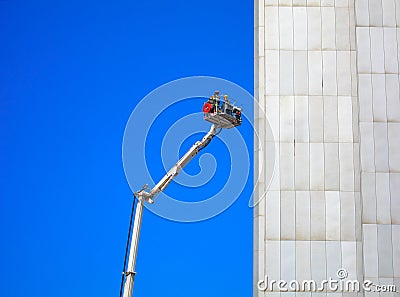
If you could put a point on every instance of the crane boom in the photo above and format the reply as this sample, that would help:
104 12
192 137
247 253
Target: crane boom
186 158
146 194
222 114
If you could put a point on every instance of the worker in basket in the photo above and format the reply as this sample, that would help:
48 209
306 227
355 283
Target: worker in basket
211 101
238 114
227 105
217 101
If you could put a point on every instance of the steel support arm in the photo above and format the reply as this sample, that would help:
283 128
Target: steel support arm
145 195
174 171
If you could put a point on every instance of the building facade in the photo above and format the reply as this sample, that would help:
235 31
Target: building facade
327 80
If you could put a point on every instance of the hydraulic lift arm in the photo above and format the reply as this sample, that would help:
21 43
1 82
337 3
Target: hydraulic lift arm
146 194
174 171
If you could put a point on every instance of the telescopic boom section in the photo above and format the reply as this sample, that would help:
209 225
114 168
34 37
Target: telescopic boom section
174 171
146 194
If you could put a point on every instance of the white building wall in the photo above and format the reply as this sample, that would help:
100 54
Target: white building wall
378 37
309 224
334 201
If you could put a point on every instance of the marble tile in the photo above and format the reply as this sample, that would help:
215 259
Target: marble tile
287 109
346 161
303 215
375 13
288 214
318 260
345 119
344 79
273 259
392 97
328 28
367 149
259 232
370 244
316 118
300 28
301 119
394 146
368 198
272 218
300 73
389 13
333 258
379 97
302 166
303 258
385 251
275 184
381 147
331 159
395 197
272 72
365 97
285 28
396 250
318 218
363 50
287 165
288 260
286 74
314 28
377 52
390 50
315 72
342 28
397 4
383 215
347 216
332 210
272 113
362 13
271 27
349 261
317 181
331 129
329 73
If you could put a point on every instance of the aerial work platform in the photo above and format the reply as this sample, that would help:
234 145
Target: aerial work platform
222 113
221 120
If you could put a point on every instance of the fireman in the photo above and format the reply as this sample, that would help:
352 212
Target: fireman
216 101
211 100
227 105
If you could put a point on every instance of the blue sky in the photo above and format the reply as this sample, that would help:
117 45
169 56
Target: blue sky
71 72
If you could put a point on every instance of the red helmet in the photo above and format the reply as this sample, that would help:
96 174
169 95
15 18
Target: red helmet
206 107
